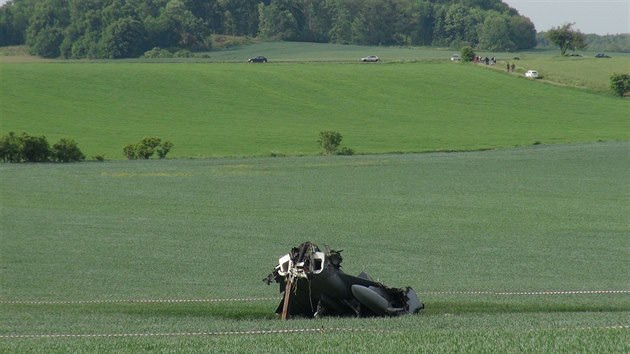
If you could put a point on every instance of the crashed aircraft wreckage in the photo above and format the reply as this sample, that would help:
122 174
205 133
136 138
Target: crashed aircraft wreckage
314 285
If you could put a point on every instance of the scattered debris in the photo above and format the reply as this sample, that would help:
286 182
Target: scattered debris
314 285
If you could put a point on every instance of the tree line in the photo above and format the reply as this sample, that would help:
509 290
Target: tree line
128 28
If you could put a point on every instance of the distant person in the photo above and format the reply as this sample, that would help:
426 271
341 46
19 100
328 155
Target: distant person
513 66
508 66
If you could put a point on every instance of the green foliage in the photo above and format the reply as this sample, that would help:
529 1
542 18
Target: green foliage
495 34
620 84
29 148
14 21
34 148
146 148
619 43
345 151
566 38
184 53
329 141
130 151
123 39
46 29
117 29
158 52
66 150
467 54
10 148
99 157
163 149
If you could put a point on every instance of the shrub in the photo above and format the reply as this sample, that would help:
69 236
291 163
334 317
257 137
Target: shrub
277 154
467 54
164 148
99 157
146 148
10 148
346 151
620 84
158 52
329 141
35 148
130 151
66 150
184 53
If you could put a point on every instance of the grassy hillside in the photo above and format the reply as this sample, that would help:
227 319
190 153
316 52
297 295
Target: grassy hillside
240 109
551 218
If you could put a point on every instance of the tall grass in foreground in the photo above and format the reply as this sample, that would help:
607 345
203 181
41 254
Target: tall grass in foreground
531 219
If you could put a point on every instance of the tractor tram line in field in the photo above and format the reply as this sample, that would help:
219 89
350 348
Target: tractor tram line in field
256 299
321 331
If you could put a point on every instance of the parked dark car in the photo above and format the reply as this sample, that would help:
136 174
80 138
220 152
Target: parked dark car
258 59
602 55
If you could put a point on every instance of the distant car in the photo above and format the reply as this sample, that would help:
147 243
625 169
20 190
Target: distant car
370 59
602 55
533 74
258 59
455 57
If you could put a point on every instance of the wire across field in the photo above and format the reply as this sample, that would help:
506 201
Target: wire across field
247 299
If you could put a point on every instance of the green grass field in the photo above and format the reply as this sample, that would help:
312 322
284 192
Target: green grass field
482 236
545 218
244 110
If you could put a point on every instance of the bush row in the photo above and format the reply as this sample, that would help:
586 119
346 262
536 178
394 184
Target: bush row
146 148
28 148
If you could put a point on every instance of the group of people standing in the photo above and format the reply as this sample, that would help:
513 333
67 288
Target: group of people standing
510 67
485 60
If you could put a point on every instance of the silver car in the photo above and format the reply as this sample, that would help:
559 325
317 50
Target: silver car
370 59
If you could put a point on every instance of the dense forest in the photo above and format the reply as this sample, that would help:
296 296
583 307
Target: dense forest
128 28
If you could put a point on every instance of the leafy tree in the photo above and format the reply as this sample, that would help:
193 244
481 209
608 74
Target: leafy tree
130 151
455 24
146 148
14 21
620 84
566 38
522 32
67 150
46 30
34 148
164 149
10 148
277 21
123 39
467 54
340 29
121 28
495 34
424 23
329 141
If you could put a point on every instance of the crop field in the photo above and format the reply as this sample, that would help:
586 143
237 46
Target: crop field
235 109
482 236
521 248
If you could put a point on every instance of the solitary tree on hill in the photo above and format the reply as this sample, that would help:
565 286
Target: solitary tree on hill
567 38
